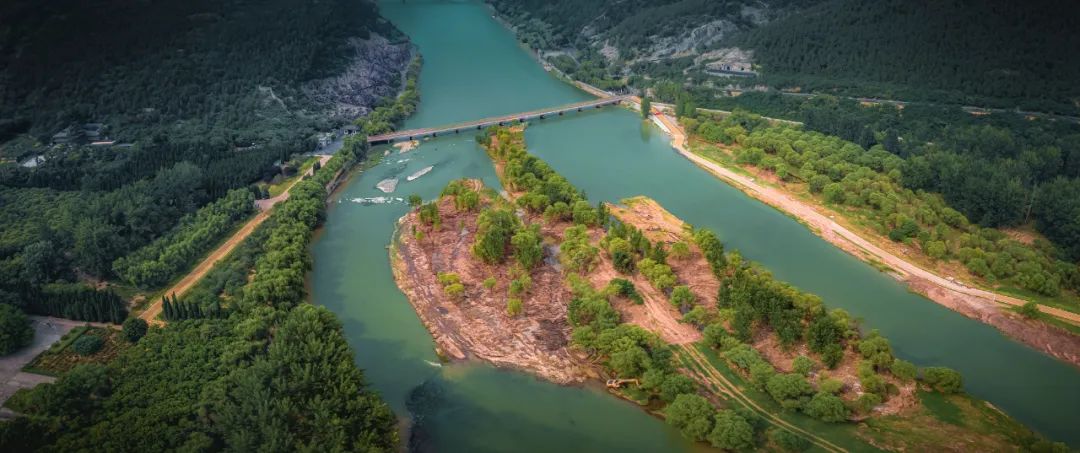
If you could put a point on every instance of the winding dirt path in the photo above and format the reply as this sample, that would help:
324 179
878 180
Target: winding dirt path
151 313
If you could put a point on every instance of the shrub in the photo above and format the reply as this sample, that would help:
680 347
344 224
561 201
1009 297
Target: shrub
1030 310
455 290
680 250
827 408
625 288
832 355
513 307
448 278
803 365
683 298
833 386
134 329
87 344
520 285
489 283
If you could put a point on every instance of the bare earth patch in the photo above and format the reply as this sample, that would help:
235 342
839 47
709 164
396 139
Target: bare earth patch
477 325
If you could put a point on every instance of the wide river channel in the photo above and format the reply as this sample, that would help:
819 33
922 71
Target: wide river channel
474 68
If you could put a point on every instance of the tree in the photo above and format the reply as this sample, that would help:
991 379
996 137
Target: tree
715 334
675 384
827 407
692 415
646 106
1030 310
788 441
415 201
683 298
87 344
495 228
731 432
15 329
790 390
942 379
904 370
134 329
528 247
803 365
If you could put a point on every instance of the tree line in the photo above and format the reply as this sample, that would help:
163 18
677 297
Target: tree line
253 379
873 184
158 262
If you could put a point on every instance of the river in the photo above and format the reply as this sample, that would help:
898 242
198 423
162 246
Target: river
474 68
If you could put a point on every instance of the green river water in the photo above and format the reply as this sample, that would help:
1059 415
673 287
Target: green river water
473 68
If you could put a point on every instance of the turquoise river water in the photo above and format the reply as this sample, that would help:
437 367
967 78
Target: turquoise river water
474 68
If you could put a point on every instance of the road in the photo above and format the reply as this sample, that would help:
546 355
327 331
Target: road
151 313
828 227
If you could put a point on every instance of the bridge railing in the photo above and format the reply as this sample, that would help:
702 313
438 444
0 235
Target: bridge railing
496 119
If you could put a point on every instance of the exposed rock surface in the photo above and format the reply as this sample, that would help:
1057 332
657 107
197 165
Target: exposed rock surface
375 71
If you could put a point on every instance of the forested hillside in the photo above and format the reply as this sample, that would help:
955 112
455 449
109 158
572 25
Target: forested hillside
977 52
997 53
187 101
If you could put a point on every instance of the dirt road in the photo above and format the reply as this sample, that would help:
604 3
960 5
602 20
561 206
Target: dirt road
151 313
974 303
702 371
838 234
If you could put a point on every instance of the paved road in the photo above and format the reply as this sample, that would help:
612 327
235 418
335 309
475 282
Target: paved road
46 332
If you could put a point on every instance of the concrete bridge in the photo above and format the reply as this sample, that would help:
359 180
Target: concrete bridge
413 134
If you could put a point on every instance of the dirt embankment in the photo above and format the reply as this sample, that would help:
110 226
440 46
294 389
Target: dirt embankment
476 325
974 303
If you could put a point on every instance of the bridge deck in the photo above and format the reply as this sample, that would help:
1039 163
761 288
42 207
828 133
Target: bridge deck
477 124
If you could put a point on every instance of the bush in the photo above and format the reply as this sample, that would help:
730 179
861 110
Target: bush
683 298
87 344
455 290
1030 310
680 250
803 365
827 408
513 307
489 283
15 330
134 329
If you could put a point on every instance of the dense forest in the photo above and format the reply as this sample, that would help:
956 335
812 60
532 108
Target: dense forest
190 102
998 53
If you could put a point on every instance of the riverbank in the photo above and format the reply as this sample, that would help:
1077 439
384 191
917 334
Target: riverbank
974 303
